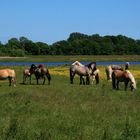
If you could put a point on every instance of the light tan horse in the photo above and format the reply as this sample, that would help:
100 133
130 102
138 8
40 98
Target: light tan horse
26 74
82 70
8 74
123 76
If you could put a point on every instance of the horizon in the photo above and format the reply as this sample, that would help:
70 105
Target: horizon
66 38
52 21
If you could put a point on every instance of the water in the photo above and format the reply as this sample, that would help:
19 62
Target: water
64 63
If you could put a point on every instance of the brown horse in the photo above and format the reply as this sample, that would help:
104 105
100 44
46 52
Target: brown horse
8 74
123 76
109 69
40 71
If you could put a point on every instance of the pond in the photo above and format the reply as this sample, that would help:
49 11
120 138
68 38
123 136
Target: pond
65 63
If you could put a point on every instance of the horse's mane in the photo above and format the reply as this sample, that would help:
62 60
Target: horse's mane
77 63
131 77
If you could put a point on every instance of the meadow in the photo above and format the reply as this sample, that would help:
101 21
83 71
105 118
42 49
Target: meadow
62 111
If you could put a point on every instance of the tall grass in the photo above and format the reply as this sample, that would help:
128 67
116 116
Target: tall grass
63 111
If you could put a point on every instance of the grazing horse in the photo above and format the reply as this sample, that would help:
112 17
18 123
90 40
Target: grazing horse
26 74
123 76
109 69
82 70
10 74
40 72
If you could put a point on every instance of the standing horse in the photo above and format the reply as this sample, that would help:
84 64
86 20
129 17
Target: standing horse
10 74
123 76
40 72
26 74
82 70
109 69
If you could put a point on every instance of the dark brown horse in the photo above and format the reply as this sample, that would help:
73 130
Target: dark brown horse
123 76
40 71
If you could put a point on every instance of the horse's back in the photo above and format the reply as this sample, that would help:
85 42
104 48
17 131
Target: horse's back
11 72
4 73
26 72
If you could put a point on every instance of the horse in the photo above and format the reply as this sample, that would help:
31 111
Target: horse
109 69
26 74
82 70
40 72
8 74
123 76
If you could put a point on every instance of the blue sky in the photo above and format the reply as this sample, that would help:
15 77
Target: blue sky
53 20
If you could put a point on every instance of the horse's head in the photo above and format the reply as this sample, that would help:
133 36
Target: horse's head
33 68
132 80
92 67
132 85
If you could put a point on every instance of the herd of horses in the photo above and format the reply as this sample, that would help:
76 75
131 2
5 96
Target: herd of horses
87 73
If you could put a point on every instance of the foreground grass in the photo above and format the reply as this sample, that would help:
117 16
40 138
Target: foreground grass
63 111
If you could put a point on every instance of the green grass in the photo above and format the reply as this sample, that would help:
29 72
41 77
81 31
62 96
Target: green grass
63 111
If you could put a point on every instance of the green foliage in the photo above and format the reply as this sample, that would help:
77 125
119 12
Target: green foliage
76 44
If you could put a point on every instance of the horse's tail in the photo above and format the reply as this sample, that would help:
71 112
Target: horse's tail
48 76
113 80
71 75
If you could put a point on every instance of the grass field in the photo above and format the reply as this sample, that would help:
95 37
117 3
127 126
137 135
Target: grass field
63 111
51 58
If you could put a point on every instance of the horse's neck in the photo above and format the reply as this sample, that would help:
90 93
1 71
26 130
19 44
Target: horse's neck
131 77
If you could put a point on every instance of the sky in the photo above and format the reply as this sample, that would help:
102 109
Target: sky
50 21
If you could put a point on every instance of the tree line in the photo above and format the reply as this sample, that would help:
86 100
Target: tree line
76 44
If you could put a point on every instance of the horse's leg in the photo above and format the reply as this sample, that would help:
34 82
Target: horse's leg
10 80
23 78
72 74
80 80
117 85
83 80
72 77
49 77
126 84
97 79
44 80
14 81
37 80
30 79
87 79
113 81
